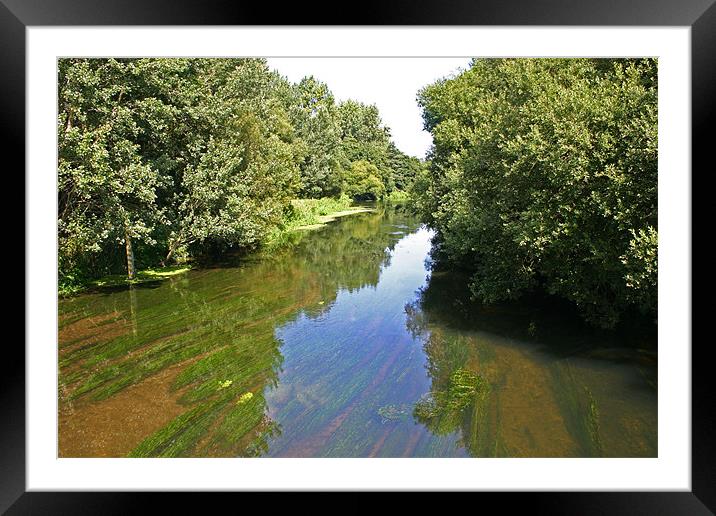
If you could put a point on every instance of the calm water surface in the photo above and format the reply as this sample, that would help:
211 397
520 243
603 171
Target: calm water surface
343 344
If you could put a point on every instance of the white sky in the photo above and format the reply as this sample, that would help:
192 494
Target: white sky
389 83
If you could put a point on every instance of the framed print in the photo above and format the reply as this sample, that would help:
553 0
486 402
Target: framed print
415 253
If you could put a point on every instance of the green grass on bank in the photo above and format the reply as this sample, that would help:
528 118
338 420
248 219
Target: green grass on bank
70 287
397 196
306 214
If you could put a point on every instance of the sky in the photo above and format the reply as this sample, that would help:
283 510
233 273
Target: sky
389 83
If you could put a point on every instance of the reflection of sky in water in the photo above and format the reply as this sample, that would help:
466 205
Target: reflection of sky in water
351 376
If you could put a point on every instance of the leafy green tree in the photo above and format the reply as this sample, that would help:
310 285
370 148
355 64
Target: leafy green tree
166 159
365 138
315 117
544 175
106 190
245 173
363 181
403 168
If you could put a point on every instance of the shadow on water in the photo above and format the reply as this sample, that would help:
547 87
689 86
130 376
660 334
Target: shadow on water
553 386
114 289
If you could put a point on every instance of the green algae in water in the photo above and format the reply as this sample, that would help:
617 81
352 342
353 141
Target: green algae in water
443 411
390 413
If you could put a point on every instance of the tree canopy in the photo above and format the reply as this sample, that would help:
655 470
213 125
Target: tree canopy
174 157
543 175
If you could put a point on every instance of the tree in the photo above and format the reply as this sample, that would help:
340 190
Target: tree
365 138
363 181
315 118
245 172
106 191
164 159
544 175
404 169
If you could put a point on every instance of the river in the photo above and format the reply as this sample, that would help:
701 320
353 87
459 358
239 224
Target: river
343 343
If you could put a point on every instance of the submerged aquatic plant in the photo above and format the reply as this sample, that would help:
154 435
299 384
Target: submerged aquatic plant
225 384
213 332
592 422
442 410
245 397
390 413
427 407
580 410
464 386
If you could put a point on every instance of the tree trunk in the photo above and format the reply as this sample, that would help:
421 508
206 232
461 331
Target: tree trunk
173 246
131 273
69 121
165 261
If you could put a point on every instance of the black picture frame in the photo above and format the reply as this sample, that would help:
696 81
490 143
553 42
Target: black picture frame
700 15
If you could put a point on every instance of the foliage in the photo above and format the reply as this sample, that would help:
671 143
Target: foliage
317 123
364 181
187 157
308 211
544 175
404 169
366 139
107 192
397 197
306 214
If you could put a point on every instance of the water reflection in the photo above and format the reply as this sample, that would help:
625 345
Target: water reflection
548 386
213 330
351 376
343 344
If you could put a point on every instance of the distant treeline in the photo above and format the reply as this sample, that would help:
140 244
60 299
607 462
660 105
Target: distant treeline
543 176
168 158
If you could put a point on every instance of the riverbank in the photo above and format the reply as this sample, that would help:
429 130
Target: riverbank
325 219
305 214
310 214
115 280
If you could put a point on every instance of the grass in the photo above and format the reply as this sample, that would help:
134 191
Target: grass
397 196
308 214
70 287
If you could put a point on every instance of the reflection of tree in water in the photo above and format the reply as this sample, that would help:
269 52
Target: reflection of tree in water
460 393
220 323
467 370
348 254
